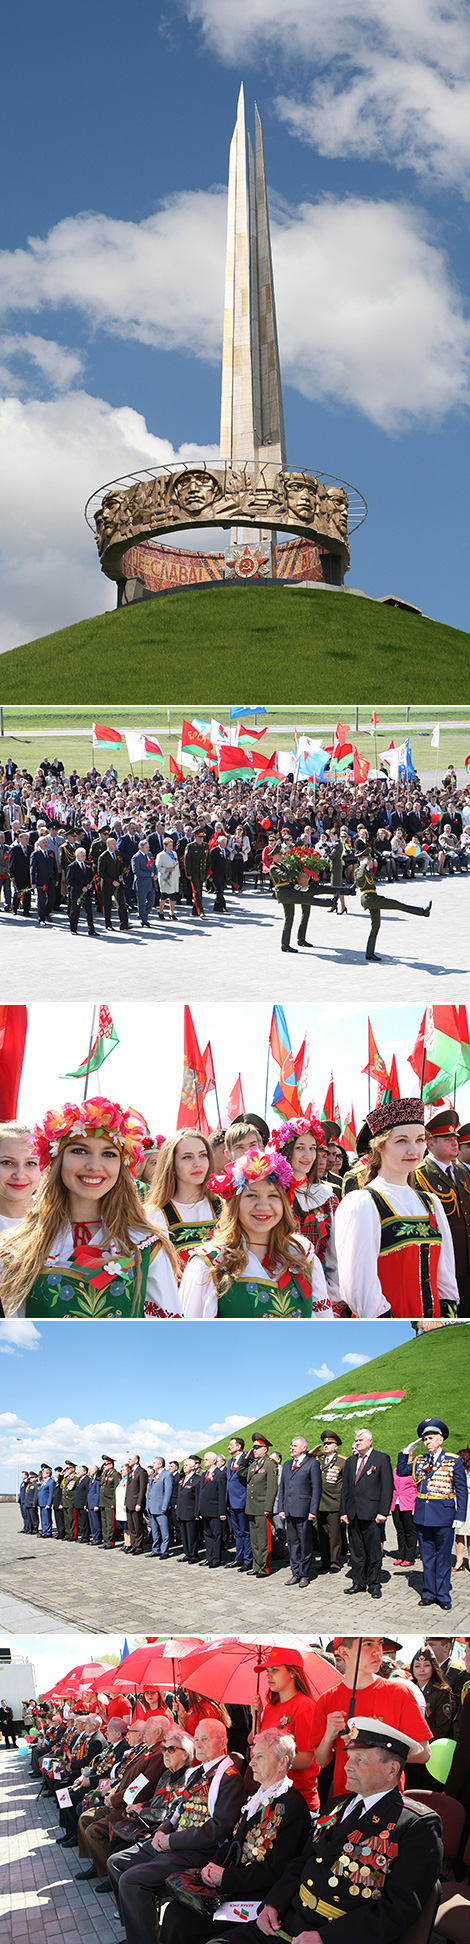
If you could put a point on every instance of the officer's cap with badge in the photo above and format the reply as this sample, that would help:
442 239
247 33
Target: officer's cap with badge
364 1732
433 1424
445 1122
259 1439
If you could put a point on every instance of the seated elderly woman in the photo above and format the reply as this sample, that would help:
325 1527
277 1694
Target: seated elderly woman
274 1826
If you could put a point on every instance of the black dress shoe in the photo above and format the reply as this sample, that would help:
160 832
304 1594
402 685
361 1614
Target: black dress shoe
426 1602
66 1842
375 1592
103 1887
83 1876
349 1590
289 948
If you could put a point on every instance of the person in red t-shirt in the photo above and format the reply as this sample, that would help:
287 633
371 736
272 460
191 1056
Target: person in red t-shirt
388 1701
290 1706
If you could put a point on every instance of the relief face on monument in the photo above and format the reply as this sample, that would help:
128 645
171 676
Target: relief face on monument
224 496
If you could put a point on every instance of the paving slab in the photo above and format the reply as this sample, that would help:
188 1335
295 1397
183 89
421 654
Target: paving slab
238 956
39 1898
91 1589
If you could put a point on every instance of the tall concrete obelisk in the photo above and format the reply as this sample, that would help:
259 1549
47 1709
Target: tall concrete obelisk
252 419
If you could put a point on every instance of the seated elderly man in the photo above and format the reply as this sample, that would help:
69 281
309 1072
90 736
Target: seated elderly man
101 1767
197 1832
178 1757
274 1825
99 1830
373 1862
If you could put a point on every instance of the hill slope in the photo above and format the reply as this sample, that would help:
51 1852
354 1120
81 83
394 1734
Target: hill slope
271 643
432 1369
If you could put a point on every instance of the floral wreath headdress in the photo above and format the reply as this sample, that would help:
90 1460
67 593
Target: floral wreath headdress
125 1128
291 1130
254 1166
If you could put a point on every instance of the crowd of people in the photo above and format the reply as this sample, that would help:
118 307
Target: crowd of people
317 1510
295 1806
99 1218
122 852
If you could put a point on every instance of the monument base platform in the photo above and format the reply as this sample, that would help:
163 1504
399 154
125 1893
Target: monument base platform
149 569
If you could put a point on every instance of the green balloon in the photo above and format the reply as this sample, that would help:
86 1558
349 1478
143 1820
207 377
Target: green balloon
440 1757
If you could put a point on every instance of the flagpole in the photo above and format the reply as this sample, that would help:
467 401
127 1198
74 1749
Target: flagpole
423 1062
216 1094
195 1076
92 1035
267 1079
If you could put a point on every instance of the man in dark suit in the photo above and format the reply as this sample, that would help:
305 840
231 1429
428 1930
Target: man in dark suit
44 875
211 1494
218 869
19 868
199 1832
373 1861
299 1499
186 1510
80 878
365 1504
236 1497
110 873
137 1481
449 1178
80 1499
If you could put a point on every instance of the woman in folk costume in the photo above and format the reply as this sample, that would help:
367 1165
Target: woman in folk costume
314 1202
256 1265
87 1248
179 1202
393 1240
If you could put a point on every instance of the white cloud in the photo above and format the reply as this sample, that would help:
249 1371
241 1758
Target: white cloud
18 1335
354 1358
323 1373
59 367
381 77
64 1438
54 452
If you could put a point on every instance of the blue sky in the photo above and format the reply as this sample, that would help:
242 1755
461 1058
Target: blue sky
146 1068
114 143
67 1394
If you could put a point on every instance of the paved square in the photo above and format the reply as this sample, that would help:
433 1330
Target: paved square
238 956
92 1590
39 1898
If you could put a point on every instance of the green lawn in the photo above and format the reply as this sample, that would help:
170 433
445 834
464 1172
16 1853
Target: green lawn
29 742
295 647
433 1369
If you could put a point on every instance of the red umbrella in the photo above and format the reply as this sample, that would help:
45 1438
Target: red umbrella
232 1669
146 1666
103 1682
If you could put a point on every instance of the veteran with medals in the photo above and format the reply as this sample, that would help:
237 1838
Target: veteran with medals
445 1173
373 1862
441 1500
274 1825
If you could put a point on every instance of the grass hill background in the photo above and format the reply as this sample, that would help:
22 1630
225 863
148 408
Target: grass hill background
292 645
433 1369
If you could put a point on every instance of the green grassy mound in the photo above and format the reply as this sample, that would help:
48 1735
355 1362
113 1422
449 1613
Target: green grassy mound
286 645
432 1369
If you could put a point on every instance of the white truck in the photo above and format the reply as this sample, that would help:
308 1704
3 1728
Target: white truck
17 1684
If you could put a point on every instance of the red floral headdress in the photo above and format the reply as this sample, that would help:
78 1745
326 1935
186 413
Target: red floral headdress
125 1128
291 1130
254 1166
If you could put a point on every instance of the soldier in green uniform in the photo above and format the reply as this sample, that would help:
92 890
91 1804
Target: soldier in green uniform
444 1172
292 885
373 901
328 1520
110 1478
68 1508
260 1473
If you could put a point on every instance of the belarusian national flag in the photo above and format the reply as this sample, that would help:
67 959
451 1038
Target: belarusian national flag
266 769
104 1044
153 748
443 1041
248 738
330 1109
361 1404
193 741
175 770
348 1133
390 1089
301 1065
373 723
104 738
13 1024
235 765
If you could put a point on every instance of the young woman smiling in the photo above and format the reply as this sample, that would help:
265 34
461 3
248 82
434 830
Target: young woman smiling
314 1203
178 1201
393 1240
19 1173
256 1265
87 1248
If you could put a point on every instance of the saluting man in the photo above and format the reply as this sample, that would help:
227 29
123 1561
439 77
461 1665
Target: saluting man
328 1519
446 1174
441 1500
262 1482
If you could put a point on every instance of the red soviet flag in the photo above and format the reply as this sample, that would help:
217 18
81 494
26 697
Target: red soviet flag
235 1103
191 1112
13 1023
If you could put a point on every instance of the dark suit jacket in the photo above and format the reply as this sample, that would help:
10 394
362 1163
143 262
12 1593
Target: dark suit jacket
80 1497
408 1884
300 1489
211 1494
79 878
136 1489
374 1490
186 1500
43 868
202 1841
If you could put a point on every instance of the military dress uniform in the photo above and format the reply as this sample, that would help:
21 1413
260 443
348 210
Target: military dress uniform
68 1507
453 1189
441 1495
373 902
262 1483
328 1519
109 1480
285 874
